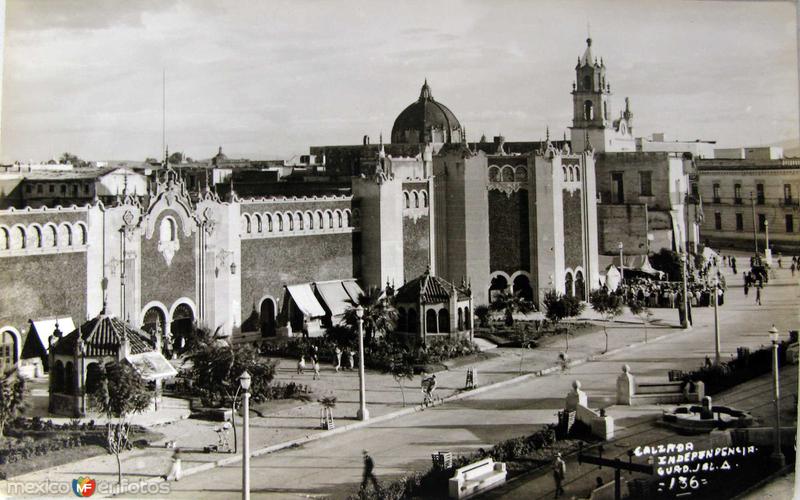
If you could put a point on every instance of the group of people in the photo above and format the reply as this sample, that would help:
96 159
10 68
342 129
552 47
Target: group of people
313 356
668 294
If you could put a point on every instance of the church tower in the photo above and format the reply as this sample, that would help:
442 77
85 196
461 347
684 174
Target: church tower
591 114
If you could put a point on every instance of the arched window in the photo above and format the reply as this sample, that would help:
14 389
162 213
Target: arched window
406 199
5 238
507 174
64 235
69 378
168 232
564 169
521 174
580 286
299 220
444 321
330 219
522 287
348 218
309 221
605 110
269 222
568 289
424 199
339 219
259 228
588 110
279 218
430 321
570 175
416 199
467 319
320 220
577 174
494 174
460 319
245 222
20 238
83 237
34 237
57 377
290 221
587 82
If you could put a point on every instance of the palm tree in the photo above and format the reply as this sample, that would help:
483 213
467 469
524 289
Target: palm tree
328 404
510 303
379 314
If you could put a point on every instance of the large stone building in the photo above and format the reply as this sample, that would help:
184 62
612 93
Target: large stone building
520 216
747 193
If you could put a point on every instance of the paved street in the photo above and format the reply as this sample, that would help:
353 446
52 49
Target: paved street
333 466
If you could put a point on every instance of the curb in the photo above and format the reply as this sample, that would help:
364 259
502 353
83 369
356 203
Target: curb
388 416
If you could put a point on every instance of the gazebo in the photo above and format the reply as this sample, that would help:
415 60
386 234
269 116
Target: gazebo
76 360
429 307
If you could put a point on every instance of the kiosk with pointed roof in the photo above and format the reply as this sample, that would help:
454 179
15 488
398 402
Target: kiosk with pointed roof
430 307
76 360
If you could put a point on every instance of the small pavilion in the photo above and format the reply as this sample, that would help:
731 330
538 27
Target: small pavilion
76 361
430 307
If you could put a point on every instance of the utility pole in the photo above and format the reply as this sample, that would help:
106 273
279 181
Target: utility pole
646 231
755 227
716 317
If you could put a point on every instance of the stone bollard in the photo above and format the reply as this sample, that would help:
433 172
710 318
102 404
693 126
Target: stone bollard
575 397
626 386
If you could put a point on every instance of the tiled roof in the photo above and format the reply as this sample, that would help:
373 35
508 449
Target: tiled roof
102 336
429 290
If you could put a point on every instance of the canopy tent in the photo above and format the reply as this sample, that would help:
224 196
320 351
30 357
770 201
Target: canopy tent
612 277
638 263
709 254
336 296
305 299
37 343
152 365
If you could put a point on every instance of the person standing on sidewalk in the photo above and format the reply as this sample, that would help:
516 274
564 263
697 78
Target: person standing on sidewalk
758 294
559 473
338 353
301 365
350 359
315 360
369 475
175 472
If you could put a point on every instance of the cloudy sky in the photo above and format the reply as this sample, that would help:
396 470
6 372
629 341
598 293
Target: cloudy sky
270 78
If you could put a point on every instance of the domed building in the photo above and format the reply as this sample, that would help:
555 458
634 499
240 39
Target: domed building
426 121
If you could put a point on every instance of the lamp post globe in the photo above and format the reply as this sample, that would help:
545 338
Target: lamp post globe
363 413
244 381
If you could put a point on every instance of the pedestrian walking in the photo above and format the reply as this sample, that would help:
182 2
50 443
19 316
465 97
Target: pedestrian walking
338 353
793 267
301 365
780 263
175 471
316 368
559 473
369 474
428 386
758 295
350 359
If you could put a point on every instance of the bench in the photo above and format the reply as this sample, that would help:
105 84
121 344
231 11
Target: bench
476 478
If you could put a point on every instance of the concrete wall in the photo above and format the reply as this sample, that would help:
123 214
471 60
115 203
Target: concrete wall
509 237
626 224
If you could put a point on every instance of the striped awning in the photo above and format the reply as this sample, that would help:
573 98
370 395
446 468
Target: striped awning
304 297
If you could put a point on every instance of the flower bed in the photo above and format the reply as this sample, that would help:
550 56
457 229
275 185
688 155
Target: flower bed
745 366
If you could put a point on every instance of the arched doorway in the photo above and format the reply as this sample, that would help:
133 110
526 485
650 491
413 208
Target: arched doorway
568 290
155 320
580 286
181 326
498 285
94 375
8 349
522 287
267 315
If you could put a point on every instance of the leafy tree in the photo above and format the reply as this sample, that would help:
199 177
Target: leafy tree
341 335
639 308
176 158
482 313
216 367
669 262
559 307
73 159
608 305
401 367
379 317
509 303
12 394
120 393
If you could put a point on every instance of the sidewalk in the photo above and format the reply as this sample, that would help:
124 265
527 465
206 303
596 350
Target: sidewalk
293 422
639 429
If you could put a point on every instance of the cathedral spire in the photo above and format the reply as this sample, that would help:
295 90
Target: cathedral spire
425 93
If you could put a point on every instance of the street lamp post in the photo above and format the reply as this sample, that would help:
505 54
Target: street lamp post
363 413
767 251
244 380
777 455
621 264
685 319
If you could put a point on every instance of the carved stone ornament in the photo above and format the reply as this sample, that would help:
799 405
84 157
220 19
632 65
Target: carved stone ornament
507 187
168 249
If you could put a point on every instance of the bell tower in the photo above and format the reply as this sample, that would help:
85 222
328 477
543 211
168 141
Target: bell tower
591 113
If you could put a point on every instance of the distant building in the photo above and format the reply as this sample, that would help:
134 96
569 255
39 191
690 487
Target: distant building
754 189
657 143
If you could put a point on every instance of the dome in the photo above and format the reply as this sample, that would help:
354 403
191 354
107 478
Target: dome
426 121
